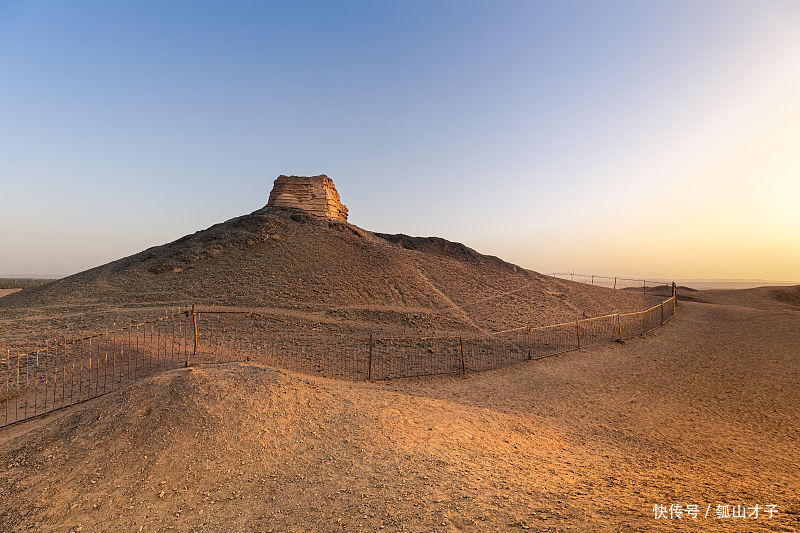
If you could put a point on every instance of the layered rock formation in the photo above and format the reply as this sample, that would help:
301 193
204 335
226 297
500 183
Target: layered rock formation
314 194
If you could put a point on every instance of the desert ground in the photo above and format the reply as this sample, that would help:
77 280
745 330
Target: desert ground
6 292
702 412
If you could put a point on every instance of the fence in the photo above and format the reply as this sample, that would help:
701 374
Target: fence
73 371
615 282
76 370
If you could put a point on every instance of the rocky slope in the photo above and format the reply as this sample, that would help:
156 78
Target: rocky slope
314 270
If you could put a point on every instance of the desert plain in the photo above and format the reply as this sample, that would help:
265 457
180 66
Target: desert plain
703 411
700 413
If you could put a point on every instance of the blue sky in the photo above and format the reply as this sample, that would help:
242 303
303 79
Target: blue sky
640 138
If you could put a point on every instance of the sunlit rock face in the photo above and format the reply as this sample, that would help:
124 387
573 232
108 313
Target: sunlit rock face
314 194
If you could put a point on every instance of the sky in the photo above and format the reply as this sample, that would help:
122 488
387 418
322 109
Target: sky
657 139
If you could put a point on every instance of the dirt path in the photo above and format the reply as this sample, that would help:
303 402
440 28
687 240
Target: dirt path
702 412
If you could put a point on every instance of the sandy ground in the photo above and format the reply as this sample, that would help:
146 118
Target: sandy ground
767 298
702 412
5 292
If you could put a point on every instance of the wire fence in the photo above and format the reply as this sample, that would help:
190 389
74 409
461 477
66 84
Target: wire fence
227 334
615 282
72 371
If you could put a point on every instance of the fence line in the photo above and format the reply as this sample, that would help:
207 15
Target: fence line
614 282
72 371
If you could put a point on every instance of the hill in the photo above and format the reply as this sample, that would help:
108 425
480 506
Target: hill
313 270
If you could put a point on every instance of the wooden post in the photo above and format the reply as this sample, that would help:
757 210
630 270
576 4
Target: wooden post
662 313
619 325
194 327
461 347
644 286
674 298
615 282
592 279
369 362
578 333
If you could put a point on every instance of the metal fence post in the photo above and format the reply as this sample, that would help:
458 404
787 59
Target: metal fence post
529 342
194 327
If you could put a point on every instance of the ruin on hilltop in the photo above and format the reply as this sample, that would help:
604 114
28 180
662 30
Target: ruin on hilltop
314 194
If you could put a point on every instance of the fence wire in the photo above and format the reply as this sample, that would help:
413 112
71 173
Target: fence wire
616 282
71 371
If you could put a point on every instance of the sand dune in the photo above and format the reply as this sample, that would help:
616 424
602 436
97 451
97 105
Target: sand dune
773 298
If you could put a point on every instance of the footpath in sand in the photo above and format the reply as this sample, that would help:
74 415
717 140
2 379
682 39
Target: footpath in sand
702 412
6 292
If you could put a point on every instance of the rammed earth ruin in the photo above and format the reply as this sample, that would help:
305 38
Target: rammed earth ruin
314 194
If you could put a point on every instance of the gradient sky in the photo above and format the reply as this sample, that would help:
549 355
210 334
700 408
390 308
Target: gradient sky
642 138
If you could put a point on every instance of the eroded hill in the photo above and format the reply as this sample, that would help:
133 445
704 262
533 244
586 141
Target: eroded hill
315 271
